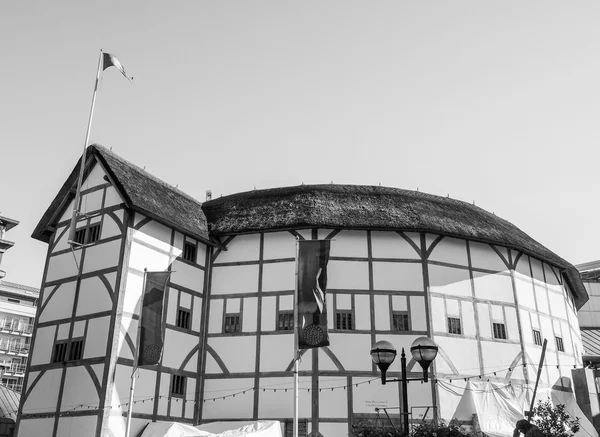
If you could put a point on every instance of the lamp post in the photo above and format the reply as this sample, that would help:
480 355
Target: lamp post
383 353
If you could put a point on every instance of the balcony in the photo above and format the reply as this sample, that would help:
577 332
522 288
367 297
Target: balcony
13 347
14 386
15 369
16 327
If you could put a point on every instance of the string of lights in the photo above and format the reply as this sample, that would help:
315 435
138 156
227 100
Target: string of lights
443 382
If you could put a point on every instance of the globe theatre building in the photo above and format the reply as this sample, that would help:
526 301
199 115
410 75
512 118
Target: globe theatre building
403 264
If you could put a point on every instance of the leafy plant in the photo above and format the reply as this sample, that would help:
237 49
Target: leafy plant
554 421
424 429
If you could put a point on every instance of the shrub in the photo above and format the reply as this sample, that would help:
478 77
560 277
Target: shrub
554 421
424 429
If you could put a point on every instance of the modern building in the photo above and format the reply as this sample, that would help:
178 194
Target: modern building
403 264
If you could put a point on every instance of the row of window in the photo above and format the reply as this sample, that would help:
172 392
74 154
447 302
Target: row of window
66 350
499 331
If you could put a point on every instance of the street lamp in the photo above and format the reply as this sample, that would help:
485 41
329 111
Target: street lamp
423 350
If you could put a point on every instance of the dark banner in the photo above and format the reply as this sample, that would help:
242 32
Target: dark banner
313 256
151 332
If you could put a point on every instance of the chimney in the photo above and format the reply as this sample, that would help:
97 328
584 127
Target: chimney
208 195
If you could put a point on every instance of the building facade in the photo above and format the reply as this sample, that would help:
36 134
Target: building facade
402 265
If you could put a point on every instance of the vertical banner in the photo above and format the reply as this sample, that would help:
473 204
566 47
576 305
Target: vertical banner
151 332
313 256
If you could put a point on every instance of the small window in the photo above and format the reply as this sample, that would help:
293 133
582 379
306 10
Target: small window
559 344
183 318
80 236
232 323
400 321
285 321
93 233
76 350
10 299
499 331
343 320
178 385
59 354
454 325
537 337
189 252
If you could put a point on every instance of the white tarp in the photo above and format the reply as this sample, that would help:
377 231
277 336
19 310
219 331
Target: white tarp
270 428
499 406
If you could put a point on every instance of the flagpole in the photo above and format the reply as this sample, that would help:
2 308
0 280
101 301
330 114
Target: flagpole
83 158
135 359
295 421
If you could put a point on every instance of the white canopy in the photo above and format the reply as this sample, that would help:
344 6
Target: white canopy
248 429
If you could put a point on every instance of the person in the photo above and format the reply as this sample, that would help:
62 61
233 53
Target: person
528 429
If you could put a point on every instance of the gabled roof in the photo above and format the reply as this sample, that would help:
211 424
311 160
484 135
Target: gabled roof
590 339
141 191
8 223
376 208
22 290
9 404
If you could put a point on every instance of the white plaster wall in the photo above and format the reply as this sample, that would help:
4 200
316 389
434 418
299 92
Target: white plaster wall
350 244
36 427
333 403
241 248
101 256
362 312
60 305
234 279
76 426
94 296
143 257
468 318
249 318
215 316
382 312
78 390
110 228
450 281
276 352
177 346
392 245
279 276
197 312
91 201
344 346
367 396
63 266
279 403
238 407
417 313
450 250
187 276
484 257
498 355
438 314
230 349
112 197
397 276
268 313
348 275
155 234
61 243
44 395
42 353
97 337
524 291
497 287
279 245
461 352
144 389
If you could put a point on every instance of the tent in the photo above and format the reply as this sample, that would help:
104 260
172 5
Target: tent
248 429
499 406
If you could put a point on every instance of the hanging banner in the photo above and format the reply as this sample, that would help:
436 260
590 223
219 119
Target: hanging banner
313 256
151 332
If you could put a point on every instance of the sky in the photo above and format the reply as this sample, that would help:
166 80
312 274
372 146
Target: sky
492 102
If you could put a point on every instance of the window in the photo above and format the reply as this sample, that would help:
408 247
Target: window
80 236
93 233
285 321
454 325
232 323
183 318
400 321
76 349
10 299
59 354
537 337
189 252
88 235
559 344
499 330
343 320
178 385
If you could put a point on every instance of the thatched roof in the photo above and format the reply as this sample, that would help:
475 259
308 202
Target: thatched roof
141 191
376 208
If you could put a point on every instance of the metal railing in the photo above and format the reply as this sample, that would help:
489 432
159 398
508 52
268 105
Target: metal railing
7 345
16 368
14 386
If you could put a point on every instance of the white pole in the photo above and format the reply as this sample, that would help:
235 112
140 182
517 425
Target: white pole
83 158
135 360
295 421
